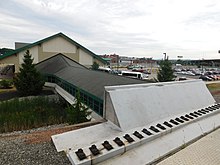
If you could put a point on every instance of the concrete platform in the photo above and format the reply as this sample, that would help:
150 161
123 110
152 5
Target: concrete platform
205 151
84 136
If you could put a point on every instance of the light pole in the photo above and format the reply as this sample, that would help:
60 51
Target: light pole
179 60
165 56
202 64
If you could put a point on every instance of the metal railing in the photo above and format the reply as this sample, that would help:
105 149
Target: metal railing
93 102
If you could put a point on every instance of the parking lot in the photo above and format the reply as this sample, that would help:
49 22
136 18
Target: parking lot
187 73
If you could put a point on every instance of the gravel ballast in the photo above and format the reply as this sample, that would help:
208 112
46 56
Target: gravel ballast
35 147
15 151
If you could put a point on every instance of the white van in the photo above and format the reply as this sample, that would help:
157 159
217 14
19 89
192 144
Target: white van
108 70
137 75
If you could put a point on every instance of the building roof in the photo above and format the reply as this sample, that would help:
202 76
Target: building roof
47 39
78 75
107 59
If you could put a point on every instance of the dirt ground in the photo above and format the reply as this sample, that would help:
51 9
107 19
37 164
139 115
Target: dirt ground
216 95
44 134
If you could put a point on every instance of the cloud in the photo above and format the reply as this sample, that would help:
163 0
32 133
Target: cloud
132 28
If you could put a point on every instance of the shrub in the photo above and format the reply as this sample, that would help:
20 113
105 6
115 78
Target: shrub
77 113
95 66
30 113
5 84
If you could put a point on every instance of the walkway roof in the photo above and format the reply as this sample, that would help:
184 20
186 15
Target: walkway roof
78 75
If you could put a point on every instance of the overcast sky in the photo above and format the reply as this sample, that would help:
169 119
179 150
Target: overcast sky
140 28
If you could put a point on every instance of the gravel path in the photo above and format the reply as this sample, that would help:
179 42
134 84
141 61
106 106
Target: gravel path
30 148
35 147
15 151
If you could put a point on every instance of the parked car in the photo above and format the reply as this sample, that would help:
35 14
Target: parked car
215 72
114 72
205 78
197 72
214 77
208 73
182 78
190 73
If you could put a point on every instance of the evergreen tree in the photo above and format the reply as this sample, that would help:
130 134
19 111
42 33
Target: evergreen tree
165 72
95 66
28 81
180 62
5 50
77 113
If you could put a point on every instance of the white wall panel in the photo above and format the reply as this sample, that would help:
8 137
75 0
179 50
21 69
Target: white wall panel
85 58
59 45
33 52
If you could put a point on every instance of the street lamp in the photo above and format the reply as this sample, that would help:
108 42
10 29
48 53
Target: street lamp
202 64
165 56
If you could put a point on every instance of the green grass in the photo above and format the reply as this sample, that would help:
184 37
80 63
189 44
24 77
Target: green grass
30 113
214 86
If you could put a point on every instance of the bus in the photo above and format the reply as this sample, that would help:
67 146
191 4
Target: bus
137 75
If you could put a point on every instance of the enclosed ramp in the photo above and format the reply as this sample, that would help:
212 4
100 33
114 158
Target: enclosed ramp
138 105
145 123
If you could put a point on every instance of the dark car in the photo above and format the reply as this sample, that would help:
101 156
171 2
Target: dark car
182 78
205 78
